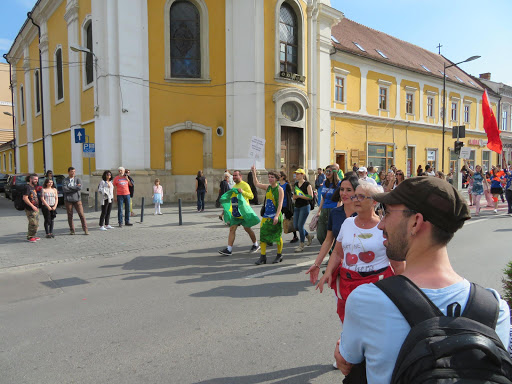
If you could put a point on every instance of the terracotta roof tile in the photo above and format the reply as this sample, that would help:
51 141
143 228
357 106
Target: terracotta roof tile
399 53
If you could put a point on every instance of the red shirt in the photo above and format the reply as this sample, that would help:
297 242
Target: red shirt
121 183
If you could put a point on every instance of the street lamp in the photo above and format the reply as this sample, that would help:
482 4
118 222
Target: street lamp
78 48
444 98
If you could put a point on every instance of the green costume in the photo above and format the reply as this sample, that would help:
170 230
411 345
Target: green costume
270 233
237 210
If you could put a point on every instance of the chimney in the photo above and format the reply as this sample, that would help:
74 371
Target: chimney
486 76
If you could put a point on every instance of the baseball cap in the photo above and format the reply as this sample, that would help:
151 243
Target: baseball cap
436 199
362 169
300 170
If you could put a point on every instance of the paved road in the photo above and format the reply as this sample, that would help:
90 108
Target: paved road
155 303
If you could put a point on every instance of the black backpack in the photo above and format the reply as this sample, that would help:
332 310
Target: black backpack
19 204
445 349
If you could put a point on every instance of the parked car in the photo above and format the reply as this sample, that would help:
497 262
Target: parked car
15 183
3 181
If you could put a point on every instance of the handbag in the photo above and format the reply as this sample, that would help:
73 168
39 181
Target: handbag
314 223
288 226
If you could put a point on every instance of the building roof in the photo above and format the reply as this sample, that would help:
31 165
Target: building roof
395 52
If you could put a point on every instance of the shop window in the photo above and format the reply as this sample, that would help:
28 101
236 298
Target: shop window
381 156
411 170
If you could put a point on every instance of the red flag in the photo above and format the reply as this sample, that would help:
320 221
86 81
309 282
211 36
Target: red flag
491 126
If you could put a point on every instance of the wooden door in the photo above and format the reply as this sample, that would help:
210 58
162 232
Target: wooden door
340 160
292 154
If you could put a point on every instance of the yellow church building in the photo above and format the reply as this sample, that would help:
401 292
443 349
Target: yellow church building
169 87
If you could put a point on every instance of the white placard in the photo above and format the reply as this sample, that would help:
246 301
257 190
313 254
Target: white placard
431 155
257 148
465 153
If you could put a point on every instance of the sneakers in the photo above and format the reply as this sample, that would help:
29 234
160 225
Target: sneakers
294 240
86 232
225 252
310 239
495 211
160 213
128 224
36 238
32 240
254 249
109 227
48 236
72 232
335 365
300 248
103 229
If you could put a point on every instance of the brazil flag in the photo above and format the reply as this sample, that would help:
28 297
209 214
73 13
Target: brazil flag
298 192
237 210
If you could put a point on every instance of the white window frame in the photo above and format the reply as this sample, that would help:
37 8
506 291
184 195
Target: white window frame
36 86
341 74
456 102
204 42
343 92
23 104
55 80
467 114
436 161
86 86
10 161
297 7
490 158
5 163
430 107
504 118
411 94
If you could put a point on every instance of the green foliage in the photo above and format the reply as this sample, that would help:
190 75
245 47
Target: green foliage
507 284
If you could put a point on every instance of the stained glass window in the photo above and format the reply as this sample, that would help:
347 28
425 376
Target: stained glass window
289 39
185 40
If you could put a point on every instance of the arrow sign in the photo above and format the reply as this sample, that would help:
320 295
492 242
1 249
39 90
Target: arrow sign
79 135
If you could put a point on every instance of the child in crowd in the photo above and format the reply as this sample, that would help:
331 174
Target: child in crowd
158 194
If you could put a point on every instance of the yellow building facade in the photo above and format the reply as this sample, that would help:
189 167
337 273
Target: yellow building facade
387 102
169 87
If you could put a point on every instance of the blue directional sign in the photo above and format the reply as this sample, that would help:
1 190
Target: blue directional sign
89 150
79 135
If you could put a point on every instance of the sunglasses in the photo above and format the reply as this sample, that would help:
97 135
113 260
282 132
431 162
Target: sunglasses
360 197
328 171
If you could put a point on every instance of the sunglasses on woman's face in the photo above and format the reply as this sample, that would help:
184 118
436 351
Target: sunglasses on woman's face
328 171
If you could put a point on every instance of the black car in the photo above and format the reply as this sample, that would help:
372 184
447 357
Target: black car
15 183
3 181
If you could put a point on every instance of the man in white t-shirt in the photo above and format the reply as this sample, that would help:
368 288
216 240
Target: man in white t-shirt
362 172
429 171
421 216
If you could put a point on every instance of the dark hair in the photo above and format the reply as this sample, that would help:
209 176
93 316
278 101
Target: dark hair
48 172
104 176
31 176
283 174
199 173
236 170
428 166
71 168
350 174
352 179
439 236
334 174
275 174
46 182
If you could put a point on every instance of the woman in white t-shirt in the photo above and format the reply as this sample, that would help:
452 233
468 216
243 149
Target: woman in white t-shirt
359 256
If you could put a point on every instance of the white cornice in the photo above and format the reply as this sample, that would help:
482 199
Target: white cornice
71 14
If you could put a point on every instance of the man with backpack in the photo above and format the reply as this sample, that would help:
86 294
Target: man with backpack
32 207
448 329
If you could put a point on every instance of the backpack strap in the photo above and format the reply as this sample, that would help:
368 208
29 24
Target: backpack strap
412 302
482 306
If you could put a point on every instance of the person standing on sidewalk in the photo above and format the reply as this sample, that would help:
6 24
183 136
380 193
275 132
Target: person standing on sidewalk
49 206
106 191
201 190
131 188
122 196
158 196
71 187
32 208
234 217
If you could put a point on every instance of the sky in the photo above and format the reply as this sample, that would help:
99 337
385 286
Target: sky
463 27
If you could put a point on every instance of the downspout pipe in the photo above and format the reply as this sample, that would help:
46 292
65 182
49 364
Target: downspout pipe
29 15
12 110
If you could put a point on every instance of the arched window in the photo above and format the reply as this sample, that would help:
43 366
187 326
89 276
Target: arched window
288 39
37 95
59 82
22 103
89 67
185 40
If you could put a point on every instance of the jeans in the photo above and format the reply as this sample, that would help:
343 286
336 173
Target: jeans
123 200
300 215
200 199
508 194
105 213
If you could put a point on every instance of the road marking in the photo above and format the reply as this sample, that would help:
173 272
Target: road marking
481 219
277 270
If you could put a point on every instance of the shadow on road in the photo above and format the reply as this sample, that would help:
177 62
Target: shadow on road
282 289
300 375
